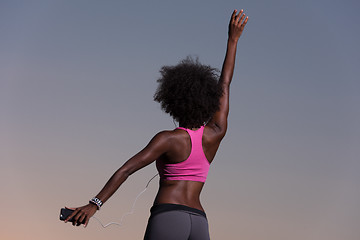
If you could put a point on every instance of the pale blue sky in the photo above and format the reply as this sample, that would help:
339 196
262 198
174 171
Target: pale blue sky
76 86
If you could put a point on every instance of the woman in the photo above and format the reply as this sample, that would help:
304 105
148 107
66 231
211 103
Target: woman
193 96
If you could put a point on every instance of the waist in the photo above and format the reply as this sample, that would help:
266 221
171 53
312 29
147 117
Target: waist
166 207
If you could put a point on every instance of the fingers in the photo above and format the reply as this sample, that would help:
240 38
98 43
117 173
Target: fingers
237 17
237 24
77 217
72 214
86 221
240 17
233 16
81 219
244 23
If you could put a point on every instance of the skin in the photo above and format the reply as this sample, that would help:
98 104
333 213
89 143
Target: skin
175 146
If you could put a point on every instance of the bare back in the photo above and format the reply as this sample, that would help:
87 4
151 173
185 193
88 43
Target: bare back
180 191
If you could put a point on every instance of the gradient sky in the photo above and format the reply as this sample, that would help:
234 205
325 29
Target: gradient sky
76 85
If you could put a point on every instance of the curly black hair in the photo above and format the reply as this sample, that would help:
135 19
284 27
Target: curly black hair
189 92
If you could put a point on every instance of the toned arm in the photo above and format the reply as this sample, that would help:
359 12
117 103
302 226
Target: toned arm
236 27
158 146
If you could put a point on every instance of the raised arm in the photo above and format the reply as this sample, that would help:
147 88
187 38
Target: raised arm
236 27
158 146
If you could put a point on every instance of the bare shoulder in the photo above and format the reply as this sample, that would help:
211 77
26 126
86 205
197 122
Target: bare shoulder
177 143
163 136
169 136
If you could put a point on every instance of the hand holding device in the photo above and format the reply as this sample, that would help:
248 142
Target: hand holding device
78 216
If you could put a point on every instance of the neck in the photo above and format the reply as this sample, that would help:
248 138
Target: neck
188 127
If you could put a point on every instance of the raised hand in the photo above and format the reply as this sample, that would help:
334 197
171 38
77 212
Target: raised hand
236 27
237 24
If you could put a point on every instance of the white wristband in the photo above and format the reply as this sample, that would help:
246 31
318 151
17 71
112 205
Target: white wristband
97 202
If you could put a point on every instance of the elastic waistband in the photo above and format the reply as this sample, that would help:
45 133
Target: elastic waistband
166 207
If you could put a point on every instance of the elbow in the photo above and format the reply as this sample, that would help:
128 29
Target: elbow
128 170
123 173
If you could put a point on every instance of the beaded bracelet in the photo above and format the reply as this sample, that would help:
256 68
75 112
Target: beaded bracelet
97 202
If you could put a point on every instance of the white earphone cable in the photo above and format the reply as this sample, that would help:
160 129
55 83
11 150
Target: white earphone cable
128 213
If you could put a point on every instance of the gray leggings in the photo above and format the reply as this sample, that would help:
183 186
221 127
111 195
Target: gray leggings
176 222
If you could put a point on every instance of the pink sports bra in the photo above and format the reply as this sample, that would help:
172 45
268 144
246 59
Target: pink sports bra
194 168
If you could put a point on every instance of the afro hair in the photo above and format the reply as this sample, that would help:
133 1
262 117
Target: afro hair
189 92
